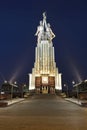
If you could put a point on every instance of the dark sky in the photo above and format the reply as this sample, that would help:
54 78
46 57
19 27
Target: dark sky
18 23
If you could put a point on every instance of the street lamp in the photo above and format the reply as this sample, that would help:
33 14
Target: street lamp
22 93
12 87
5 81
11 91
66 89
15 82
77 91
73 82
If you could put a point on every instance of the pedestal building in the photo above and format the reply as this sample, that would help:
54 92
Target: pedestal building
45 76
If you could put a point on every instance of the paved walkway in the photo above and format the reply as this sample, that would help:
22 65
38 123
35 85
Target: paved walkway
43 112
13 101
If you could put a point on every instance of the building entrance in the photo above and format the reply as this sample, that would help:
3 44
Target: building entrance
44 89
45 84
47 89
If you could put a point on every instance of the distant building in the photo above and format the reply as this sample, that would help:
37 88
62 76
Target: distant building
45 76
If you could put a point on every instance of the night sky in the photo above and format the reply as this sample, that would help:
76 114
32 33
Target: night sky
18 23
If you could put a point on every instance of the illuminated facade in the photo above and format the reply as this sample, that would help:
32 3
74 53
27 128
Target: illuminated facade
45 77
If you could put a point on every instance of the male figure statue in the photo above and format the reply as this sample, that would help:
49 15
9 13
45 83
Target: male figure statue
40 32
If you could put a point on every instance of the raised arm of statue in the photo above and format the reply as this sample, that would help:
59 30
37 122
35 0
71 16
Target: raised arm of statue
44 15
44 20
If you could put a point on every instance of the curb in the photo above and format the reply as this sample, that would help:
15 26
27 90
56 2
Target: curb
80 103
10 102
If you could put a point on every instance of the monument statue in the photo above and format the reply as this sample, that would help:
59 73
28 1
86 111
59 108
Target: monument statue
45 77
40 31
44 31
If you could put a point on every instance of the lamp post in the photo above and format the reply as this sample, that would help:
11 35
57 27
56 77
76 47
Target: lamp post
77 91
12 85
73 82
11 91
22 91
66 89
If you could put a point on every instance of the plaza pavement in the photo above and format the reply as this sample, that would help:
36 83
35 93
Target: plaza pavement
5 103
73 100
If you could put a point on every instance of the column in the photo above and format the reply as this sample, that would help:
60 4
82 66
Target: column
60 82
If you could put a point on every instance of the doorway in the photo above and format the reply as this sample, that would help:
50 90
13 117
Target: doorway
44 89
